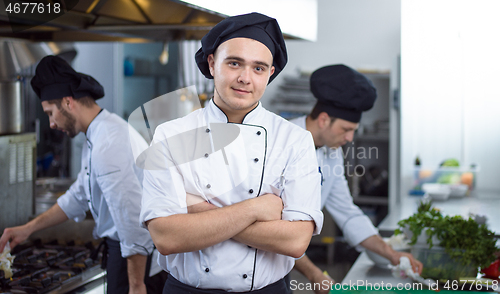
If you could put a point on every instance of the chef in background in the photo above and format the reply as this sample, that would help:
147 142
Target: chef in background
343 94
109 183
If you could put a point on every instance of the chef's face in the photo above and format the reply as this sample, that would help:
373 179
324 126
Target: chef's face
241 68
338 133
59 117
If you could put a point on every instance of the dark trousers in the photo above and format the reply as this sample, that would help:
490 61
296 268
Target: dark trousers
173 286
117 277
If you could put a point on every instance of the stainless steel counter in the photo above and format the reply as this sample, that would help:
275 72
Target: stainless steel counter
365 271
481 203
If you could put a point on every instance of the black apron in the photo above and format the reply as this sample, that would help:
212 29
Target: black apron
173 286
116 268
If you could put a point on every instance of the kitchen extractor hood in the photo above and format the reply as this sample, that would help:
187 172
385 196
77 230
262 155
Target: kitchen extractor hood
139 20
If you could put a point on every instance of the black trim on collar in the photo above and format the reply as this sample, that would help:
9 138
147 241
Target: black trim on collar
250 111
227 119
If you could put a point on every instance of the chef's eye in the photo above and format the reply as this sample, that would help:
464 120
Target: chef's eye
234 63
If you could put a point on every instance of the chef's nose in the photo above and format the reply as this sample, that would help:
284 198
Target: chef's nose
349 136
53 125
244 76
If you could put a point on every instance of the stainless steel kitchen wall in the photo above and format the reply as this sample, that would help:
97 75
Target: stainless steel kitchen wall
17 177
11 107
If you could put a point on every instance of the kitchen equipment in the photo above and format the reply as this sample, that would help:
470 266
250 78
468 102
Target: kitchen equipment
440 192
446 175
379 260
50 268
17 159
397 242
11 107
439 265
458 190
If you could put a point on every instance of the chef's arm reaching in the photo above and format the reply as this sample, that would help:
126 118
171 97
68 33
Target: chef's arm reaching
195 231
314 274
136 267
377 245
54 216
289 238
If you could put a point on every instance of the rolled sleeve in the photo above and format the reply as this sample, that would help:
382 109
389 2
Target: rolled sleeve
302 186
74 203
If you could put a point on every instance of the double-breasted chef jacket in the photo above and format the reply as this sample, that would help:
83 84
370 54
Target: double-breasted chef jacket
109 184
335 195
226 163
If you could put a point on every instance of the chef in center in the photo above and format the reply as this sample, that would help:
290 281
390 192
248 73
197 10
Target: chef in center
238 196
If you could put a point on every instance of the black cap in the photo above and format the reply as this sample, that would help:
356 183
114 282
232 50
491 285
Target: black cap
342 92
254 26
55 78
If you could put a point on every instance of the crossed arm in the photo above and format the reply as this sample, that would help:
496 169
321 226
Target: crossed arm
255 222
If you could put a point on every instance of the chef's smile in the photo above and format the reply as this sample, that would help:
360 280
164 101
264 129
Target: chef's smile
241 91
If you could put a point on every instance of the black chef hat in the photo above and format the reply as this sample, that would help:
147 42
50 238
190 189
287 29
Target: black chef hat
342 92
253 26
55 78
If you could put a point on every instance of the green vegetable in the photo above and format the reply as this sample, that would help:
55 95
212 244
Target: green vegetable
449 178
450 162
464 240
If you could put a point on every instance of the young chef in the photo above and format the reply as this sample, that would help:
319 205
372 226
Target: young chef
343 94
257 184
109 184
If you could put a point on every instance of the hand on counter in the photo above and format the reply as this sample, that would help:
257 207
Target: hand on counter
416 265
379 246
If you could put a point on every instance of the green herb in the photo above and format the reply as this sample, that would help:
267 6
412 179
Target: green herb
464 240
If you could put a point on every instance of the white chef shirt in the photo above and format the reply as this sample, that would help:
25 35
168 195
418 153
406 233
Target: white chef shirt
264 154
110 185
335 194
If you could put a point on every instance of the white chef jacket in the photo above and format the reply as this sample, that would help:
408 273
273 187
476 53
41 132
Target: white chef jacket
110 185
264 154
335 194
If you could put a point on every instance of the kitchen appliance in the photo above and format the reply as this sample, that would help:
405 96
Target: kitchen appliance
17 159
51 268
11 107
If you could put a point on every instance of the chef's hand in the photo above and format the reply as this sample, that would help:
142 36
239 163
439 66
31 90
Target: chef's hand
15 235
325 282
269 207
416 265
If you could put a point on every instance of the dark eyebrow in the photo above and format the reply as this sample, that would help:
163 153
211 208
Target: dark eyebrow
236 58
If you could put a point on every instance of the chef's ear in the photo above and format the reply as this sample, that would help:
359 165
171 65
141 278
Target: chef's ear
68 102
211 62
323 120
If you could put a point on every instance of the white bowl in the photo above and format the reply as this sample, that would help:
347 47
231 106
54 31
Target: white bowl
379 260
439 192
458 190
397 243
